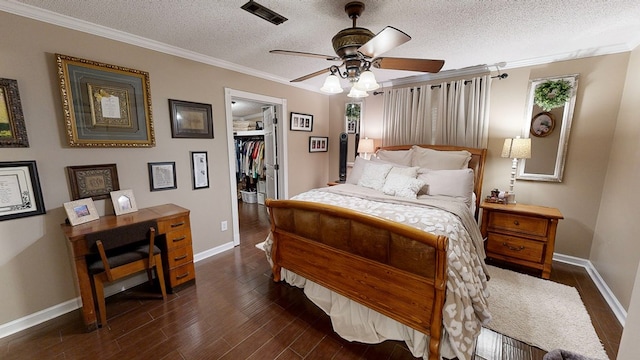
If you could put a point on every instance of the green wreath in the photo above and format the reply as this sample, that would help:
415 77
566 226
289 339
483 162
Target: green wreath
552 94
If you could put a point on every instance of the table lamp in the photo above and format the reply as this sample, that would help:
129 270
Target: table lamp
365 146
515 149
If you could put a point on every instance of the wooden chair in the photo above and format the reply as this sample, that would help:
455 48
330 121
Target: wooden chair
120 252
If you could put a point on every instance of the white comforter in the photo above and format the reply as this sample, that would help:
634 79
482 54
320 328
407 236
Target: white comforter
465 309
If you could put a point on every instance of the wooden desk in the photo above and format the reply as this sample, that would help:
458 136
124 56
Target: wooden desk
173 233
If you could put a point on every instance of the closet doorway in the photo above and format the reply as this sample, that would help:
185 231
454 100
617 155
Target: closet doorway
252 111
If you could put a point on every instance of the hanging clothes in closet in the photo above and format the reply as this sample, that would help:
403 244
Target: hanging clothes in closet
249 162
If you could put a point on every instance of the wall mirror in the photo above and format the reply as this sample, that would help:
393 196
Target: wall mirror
353 122
549 132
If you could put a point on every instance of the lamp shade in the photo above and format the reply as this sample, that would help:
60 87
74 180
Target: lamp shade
365 145
367 81
355 93
517 148
332 85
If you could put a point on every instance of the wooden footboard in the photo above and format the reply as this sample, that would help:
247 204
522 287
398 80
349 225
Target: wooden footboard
395 269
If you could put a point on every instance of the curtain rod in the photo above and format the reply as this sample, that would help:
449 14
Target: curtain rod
499 77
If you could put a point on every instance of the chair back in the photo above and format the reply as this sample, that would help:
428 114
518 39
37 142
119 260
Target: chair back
121 235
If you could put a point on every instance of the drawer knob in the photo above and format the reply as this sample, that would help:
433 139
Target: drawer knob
179 239
177 224
516 222
178 277
180 257
513 248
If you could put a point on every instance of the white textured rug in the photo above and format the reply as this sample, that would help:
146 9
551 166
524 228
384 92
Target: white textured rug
541 313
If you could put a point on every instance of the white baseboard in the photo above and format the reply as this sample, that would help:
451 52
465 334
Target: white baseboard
602 286
41 316
73 304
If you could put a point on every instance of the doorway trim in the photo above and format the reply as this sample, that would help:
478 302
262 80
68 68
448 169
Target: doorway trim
283 185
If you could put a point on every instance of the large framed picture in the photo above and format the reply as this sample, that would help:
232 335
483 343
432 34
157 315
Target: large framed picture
20 192
353 116
81 211
191 119
94 181
123 202
200 169
162 176
301 122
13 132
318 144
105 105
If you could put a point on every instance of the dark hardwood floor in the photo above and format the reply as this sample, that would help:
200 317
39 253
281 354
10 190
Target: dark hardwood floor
234 311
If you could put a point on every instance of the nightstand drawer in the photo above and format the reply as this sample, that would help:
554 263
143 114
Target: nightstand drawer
515 247
517 223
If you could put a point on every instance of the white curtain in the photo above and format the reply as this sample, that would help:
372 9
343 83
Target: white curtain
451 113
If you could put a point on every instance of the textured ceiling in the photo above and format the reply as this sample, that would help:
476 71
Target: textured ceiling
464 33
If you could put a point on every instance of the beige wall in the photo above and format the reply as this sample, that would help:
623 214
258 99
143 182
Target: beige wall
35 268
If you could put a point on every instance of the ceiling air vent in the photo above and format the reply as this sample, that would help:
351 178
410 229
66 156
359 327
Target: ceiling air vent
261 11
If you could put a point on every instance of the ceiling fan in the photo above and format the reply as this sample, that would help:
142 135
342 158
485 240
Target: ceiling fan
359 49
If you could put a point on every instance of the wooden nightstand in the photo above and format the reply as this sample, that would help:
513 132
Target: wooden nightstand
334 183
520 234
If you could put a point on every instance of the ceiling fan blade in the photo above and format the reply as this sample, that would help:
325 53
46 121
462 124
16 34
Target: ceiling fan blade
314 74
424 65
300 53
384 41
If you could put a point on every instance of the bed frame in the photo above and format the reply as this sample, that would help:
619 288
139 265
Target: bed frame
394 269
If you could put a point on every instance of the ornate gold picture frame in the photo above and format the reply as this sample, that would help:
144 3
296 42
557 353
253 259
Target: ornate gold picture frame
13 132
105 105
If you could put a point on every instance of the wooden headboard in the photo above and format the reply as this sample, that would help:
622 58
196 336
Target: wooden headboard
478 158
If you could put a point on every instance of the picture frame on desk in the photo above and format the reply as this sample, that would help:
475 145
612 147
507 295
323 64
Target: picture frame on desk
191 119
123 202
81 211
105 105
20 190
94 181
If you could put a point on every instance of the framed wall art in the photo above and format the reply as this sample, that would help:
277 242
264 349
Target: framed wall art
105 105
190 119
81 211
301 122
20 192
542 124
162 176
123 202
200 169
13 132
318 144
94 181
353 116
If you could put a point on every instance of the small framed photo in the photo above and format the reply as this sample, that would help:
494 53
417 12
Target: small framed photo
542 124
162 176
301 122
123 202
94 181
191 119
20 193
318 144
13 132
81 211
200 169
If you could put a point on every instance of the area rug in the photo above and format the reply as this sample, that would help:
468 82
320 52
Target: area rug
541 313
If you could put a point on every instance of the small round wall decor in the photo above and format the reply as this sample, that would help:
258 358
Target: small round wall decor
542 124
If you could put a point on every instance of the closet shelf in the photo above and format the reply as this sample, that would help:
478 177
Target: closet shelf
248 133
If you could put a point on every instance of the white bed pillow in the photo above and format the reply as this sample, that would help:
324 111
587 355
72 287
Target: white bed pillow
400 157
402 186
440 160
374 175
457 183
356 171
411 172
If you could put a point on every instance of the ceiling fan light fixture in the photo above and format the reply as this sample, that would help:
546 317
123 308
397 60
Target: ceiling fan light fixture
355 93
367 81
332 85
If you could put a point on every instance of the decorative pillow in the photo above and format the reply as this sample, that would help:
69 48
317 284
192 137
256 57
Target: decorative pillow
458 183
440 160
401 157
411 172
356 171
402 186
374 175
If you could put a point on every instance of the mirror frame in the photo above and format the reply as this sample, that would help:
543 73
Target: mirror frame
565 129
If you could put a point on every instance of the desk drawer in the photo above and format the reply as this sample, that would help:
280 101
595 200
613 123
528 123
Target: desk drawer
515 247
517 223
179 256
176 223
178 238
182 274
